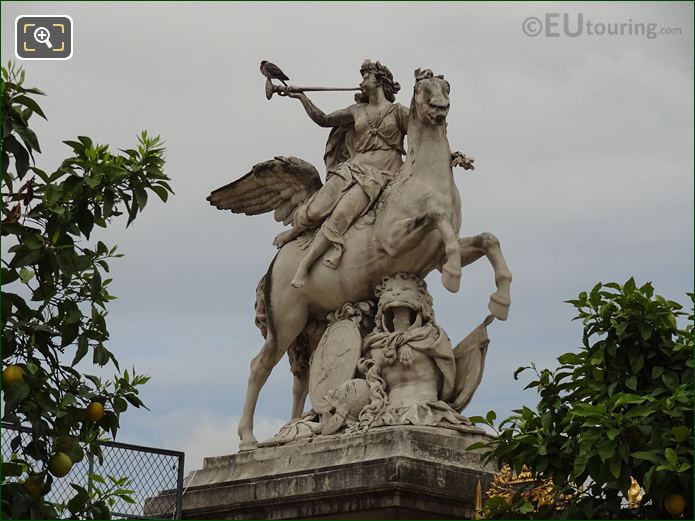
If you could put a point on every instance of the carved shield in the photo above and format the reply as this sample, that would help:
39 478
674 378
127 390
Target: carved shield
334 361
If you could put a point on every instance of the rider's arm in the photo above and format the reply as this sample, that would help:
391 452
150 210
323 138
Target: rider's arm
334 119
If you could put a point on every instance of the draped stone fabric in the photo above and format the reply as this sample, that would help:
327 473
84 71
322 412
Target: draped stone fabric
367 153
430 340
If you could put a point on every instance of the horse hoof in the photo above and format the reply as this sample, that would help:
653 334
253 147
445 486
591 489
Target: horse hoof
246 445
451 282
500 310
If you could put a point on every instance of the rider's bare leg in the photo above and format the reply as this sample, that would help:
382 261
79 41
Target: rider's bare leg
351 205
318 246
312 213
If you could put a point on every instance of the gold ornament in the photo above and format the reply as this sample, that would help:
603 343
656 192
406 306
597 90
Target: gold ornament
537 490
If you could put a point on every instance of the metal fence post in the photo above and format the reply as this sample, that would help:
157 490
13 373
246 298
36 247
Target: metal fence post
179 488
90 471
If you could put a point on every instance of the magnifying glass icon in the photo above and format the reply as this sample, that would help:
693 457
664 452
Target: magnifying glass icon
42 35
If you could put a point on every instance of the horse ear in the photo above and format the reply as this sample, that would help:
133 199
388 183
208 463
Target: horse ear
418 71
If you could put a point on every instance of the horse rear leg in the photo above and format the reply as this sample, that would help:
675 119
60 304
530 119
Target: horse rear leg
285 328
261 366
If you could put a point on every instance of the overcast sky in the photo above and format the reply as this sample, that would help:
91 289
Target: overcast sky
583 148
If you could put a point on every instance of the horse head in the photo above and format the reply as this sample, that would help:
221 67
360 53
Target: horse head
430 98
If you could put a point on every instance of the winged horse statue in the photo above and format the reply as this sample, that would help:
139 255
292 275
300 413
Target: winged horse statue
414 229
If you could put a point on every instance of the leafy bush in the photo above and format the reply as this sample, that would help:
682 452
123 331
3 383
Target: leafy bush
620 407
54 302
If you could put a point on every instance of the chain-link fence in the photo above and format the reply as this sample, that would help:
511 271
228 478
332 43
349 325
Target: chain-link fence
150 471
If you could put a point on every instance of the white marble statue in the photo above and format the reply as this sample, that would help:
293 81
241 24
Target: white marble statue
378 214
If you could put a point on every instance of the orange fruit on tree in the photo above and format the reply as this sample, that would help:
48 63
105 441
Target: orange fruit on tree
12 374
59 464
76 454
70 445
674 504
34 485
63 443
95 411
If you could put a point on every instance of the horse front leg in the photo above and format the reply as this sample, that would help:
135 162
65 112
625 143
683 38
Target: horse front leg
472 248
451 270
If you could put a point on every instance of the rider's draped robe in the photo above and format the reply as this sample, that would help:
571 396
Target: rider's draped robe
366 153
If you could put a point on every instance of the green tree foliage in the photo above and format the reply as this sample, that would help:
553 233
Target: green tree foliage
54 302
622 406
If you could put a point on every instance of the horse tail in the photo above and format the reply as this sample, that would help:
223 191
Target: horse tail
260 308
299 351
264 317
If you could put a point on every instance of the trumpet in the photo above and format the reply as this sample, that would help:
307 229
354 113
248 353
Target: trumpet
281 90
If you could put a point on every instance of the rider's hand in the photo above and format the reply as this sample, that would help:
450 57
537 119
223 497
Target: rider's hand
296 95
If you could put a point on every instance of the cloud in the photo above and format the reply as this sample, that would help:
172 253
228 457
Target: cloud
200 433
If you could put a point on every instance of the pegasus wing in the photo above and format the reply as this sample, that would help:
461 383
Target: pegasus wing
280 184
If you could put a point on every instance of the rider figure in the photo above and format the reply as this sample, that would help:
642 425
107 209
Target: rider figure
374 131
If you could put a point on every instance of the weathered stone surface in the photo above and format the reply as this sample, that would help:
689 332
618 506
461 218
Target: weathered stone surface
387 473
334 362
377 216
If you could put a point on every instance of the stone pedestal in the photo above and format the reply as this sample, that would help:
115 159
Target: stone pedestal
399 472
